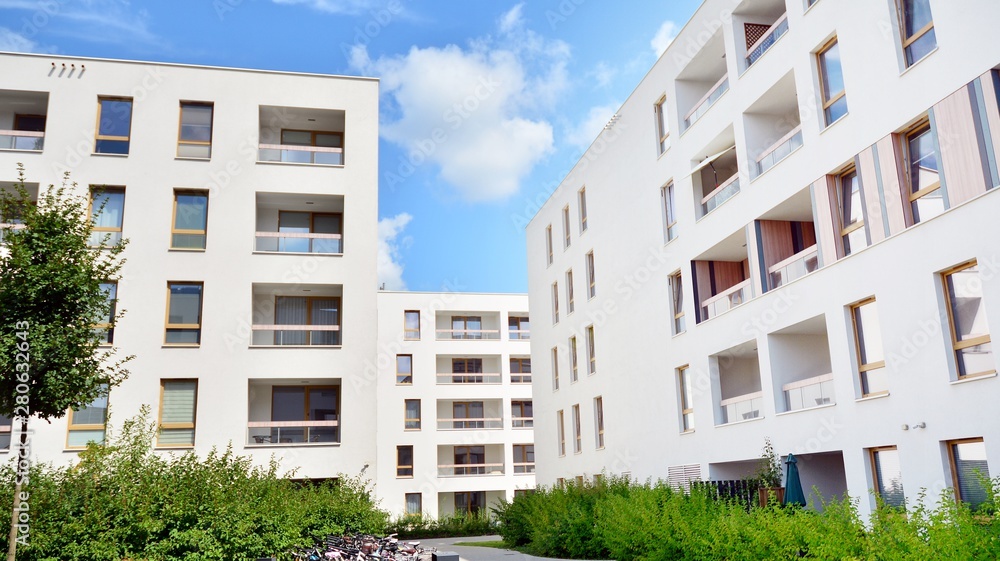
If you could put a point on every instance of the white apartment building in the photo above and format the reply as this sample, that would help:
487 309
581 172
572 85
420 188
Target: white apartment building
455 429
788 231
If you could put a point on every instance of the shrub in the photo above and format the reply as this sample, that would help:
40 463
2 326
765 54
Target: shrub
467 524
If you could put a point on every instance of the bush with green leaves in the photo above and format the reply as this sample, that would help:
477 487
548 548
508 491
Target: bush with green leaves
418 526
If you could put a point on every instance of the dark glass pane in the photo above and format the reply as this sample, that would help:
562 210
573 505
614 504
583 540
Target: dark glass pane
116 117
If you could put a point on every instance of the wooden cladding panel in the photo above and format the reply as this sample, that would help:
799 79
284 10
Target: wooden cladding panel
777 243
961 160
897 207
702 283
991 98
827 223
865 162
728 274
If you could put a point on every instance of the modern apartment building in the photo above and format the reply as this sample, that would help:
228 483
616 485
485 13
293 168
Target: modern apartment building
788 231
455 428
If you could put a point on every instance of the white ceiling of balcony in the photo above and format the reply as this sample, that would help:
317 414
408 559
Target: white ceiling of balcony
300 118
779 100
297 289
301 202
25 103
709 64
765 10
797 208
743 350
811 326
733 248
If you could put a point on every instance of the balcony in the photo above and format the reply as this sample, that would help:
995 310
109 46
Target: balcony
726 300
811 392
464 461
736 384
721 194
773 126
779 151
520 370
296 315
469 415
467 326
716 176
706 102
522 414
296 135
468 369
741 407
786 240
293 412
22 120
796 266
518 327
757 26
524 467
768 38
722 277
800 365
297 223
703 81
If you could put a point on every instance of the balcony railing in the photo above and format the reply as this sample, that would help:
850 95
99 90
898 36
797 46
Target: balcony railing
522 422
468 334
296 335
741 407
520 334
721 194
298 242
778 151
796 266
293 432
700 108
470 423
469 378
774 33
22 140
726 300
524 467
287 153
811 392
450 470
520 378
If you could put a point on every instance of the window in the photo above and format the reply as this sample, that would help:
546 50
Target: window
686 399
107 210
669 211
555 368
467 327
464 367
599 421
970 335
677 292
88 423
582 195
852 221
469 415
5 432
404 461
917 29
178 402
103 325
548 244
195 137
663 137
572 360
412 411
183 313
114 125
570 305
887 476
923 174
868 341
524 458
566 237
414 503
561 429
591 356
411 325
521 414
404 370
190 223
470 502
591 281
968 466
310 232
470 460
518 328
555 302
303 414
520 371
327 147
577 436
831 81
307 320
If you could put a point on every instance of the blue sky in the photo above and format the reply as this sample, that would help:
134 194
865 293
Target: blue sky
484 104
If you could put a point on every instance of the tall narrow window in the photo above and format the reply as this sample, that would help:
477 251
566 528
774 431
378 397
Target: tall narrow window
917 27
852 221
411 325
677 297
522 414
868 341
178 403
969 469
573 376
577 436
524 458
923 173
565 219
404 461
5 432
404 370
555 368
195 137
412 411
599 422
887 476
114 125
663 137
970 334
103 326
582 195
107 211
669 211
183 313
831 79
591 356
570 305
561 431
548 244
518 328
520 370
190 224
414 503
686 399
591 281
88 423
555 302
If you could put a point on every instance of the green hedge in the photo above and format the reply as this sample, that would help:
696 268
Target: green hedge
421 527
122 501
622 520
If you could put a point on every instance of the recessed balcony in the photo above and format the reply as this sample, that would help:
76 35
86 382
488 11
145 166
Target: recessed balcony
467 369
299 223
464 461
295 135
469 414
787 241
296 315
293 412
23 116
800 365
467 326
758 24
703 81
716 176
736 374
773 126
722 277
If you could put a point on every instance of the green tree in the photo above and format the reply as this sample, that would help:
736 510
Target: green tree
51 298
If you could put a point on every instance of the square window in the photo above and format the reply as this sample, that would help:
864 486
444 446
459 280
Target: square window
114 125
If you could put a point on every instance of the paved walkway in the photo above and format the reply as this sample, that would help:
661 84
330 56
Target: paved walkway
472 553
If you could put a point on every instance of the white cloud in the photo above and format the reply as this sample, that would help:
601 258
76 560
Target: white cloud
473 111
17 43
664 36
390 266
333 6
583 134
102 21
602 74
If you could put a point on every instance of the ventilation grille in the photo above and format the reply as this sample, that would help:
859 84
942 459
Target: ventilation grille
681 477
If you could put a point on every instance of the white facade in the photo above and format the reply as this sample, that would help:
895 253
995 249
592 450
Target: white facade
463 365
756 233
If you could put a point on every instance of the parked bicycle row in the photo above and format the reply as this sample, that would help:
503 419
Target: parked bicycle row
361 547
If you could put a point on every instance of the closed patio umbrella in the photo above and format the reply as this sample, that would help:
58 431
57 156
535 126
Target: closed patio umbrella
793 485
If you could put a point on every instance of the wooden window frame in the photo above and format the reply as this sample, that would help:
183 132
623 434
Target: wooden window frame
305 396
873 464
104 230
523 449
420 503
107 326
660 122
18 117
180 128
591 274
97 128
845 230
957 345
312 137
555 302
825 96
667 194
521 374
398 373
923 126
591 350
570 300
907 41
573 365
309 319
683 382
312 228
555 369
582 197
408 333
863 367
167 326
677 301
951 462
567 238
468 500
408 420
173 220
515 324
599 422
401 469
70 427
577 430
548 245
519 409
193 425
561 432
